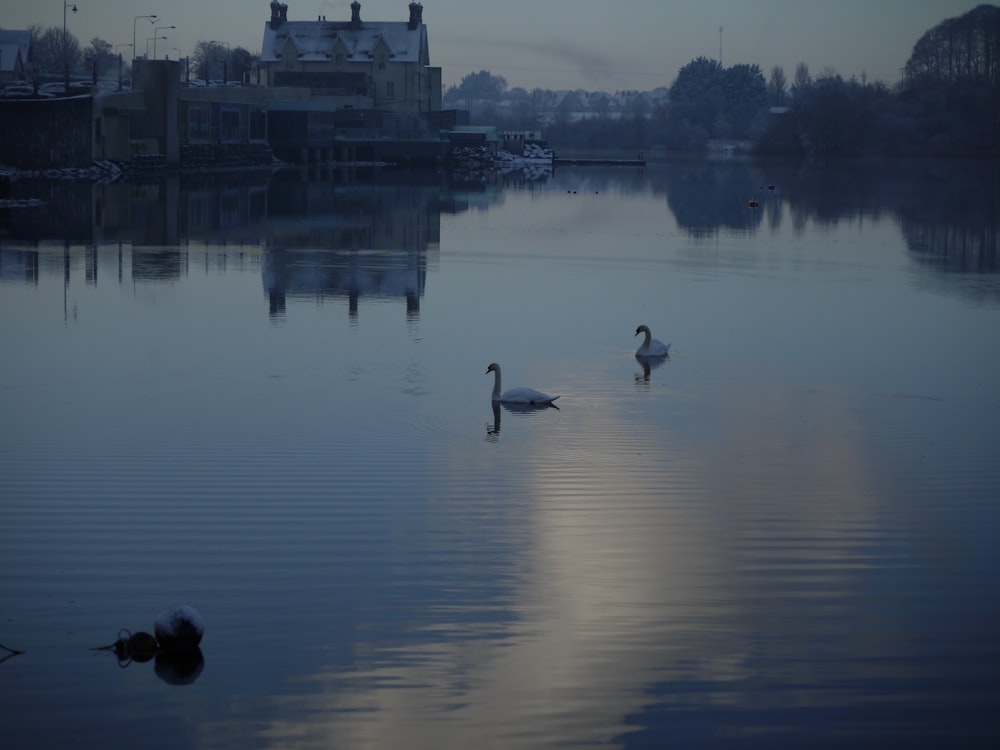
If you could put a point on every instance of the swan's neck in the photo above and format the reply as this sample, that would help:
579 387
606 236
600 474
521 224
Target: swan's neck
647 337
496 382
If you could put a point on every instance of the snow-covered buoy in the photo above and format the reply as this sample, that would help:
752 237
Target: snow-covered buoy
179 627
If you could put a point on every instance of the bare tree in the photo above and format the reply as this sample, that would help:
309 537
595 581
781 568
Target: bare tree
777 86
965 48
52 51
209 58
802 78
100 57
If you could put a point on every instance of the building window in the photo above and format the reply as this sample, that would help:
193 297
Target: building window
381 63
390 89
326 83
258 125
229 126
198 123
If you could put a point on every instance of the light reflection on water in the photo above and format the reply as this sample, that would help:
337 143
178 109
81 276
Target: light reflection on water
270 404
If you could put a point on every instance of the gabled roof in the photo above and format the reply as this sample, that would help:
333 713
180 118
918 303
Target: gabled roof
314 40
12 44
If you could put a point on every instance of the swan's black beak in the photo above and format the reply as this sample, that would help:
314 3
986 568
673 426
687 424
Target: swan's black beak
636 332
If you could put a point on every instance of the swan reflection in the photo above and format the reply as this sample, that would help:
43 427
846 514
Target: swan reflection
493 430
649 364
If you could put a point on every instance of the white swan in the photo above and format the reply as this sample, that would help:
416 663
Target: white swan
517 395
650 347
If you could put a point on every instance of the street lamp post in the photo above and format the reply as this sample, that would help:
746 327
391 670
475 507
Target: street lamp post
157 29
225 63
65 46
152 19
119 56
153 40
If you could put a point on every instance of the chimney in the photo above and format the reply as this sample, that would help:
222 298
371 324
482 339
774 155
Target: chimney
275 14
356 14
416 15
284 12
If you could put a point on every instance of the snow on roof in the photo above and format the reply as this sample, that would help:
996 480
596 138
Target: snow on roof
13 42
316 40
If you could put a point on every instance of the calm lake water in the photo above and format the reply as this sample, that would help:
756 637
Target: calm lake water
265 397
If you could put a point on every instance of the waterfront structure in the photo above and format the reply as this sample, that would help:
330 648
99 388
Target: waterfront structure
379 65
327 92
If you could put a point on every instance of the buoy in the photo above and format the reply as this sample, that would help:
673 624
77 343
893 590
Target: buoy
141 646
179 627
134 646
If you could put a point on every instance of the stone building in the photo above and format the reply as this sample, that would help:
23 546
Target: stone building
374 65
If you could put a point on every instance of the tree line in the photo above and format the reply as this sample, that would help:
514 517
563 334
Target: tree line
53 52
947 103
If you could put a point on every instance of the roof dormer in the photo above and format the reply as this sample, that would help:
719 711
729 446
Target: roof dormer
382 47
289 50
339 50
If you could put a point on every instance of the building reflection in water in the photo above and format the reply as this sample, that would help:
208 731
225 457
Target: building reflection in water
316 237
367 233
350 242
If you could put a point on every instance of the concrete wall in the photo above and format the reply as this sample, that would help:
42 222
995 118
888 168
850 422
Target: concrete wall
160 82
43 133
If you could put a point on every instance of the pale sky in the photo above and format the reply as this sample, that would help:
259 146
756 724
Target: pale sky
556 44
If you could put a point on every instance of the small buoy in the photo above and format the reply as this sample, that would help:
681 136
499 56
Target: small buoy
135 646
770 187
179 627
141 646
752 203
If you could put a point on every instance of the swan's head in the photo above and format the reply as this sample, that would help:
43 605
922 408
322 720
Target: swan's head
493 366
642 329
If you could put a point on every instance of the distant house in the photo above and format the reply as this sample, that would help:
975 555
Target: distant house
383 65
15 48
